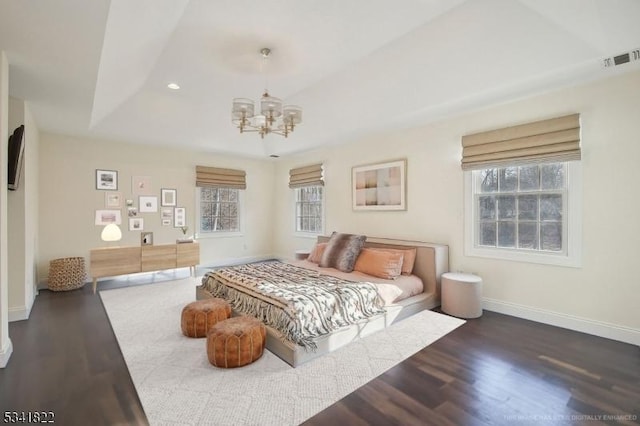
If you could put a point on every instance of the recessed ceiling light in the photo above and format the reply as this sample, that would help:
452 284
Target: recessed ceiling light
173 86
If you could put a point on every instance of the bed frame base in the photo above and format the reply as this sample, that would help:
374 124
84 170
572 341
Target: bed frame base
296 355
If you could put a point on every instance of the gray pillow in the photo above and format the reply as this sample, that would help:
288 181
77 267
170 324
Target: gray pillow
342 251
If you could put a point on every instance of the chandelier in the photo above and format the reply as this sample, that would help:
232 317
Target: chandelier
273 117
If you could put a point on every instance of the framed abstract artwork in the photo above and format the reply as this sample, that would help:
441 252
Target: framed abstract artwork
379 186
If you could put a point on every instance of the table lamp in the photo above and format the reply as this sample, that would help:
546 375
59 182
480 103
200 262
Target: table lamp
111 232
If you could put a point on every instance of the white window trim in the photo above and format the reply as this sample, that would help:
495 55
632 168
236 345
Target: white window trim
573 255
302 234
204 235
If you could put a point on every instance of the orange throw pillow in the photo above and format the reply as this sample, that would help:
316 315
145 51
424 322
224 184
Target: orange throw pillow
316 252
379 263
409 258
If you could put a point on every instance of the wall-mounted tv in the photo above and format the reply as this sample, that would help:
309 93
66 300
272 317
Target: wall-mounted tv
16 154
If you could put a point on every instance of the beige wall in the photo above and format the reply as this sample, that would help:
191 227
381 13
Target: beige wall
68 198
600 297
5 342
23 217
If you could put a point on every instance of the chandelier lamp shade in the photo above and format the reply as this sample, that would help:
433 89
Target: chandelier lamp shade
273 117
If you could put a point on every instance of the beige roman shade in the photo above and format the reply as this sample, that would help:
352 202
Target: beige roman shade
215 176
306 176
556 139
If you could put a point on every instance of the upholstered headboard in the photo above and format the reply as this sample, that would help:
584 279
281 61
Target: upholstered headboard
432 260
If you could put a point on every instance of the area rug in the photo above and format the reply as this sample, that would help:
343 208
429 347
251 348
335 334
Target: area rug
178 386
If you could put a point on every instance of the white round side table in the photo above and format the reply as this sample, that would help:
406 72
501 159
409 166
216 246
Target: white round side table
461 295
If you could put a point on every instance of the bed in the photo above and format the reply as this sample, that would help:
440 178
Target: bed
431 261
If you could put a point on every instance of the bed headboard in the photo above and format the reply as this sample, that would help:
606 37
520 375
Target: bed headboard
432 260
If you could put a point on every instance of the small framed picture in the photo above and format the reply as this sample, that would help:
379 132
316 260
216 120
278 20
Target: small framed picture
129 203
148 204
168 197
132 211
179 217
166 214
146 238
107 180
105 217
141 185
136 224
112 200
166 222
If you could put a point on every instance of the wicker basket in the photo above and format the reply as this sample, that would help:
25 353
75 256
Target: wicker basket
66 274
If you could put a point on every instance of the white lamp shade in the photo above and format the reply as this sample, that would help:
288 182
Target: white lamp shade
111 232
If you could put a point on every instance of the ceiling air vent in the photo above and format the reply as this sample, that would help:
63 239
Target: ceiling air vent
621 59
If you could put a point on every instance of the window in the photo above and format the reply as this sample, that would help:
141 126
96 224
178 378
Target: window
219 210
309 209
528 212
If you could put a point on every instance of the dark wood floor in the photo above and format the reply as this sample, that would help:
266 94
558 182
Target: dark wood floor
496 370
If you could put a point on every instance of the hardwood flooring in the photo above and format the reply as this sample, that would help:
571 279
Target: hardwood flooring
501 370
495 370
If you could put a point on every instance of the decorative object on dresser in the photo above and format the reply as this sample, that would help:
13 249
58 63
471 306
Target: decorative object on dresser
184 238
462 295
112 261
66 274
379 186
198 317
146 239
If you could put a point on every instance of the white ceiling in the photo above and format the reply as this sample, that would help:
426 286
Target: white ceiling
100 68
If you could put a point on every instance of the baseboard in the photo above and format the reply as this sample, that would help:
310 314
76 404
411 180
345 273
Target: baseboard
583 325
5 354
19 313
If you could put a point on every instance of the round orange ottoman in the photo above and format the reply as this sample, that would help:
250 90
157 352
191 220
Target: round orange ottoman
199 316
236 342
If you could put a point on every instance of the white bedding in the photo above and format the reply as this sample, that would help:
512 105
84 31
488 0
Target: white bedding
391 291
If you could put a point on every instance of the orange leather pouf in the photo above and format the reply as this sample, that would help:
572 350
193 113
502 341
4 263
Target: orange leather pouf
236 342
198 317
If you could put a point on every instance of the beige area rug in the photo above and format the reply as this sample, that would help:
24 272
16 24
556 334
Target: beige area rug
178 386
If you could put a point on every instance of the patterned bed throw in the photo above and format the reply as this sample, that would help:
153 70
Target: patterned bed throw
300 303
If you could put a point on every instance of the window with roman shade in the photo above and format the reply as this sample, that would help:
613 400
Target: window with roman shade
308 183
553 140
306 176
523 192
219 177
219 199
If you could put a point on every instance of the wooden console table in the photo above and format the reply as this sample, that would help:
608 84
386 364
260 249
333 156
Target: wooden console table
112 261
